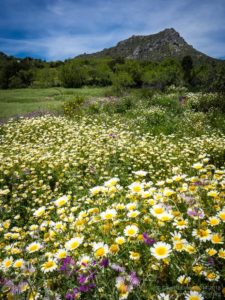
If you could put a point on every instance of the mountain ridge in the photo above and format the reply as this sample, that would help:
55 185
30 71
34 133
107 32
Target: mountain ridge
167 43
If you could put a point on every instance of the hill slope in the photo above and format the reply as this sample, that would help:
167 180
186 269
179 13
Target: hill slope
156 47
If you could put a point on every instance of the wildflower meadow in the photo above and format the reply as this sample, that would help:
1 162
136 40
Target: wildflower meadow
97 208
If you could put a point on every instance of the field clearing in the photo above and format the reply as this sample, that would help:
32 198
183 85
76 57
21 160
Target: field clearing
21 101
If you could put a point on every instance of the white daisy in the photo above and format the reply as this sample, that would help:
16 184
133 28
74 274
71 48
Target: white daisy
160 250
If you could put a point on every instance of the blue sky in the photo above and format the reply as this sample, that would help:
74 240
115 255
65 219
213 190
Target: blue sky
59 29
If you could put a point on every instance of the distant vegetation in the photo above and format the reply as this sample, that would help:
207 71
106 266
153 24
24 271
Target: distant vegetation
119 73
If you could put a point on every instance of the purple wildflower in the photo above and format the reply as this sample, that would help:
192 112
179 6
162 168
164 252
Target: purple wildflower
134 280
14 289
211 261
69 296
112 135
117 268
86 288
82 278
91 276
104 263
196 212
66 262
147 240
197 183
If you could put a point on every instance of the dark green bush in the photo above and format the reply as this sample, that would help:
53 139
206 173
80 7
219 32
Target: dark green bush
123 105
94 108
72 106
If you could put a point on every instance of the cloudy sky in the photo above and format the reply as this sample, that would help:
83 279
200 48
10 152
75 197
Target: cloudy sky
59 29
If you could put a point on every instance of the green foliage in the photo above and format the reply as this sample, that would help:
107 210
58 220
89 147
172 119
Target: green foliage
217 84
123 105
15 82
72 106
119 105
46 77
206 102
165 74
99 73
73 75
187 66
122 73
94 108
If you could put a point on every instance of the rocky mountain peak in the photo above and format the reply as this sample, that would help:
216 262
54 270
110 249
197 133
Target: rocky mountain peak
156 47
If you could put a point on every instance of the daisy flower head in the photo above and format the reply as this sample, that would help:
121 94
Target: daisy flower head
197 166
176 236
212 276
213 221
120 240
111 182
183 279
33 247
49 266
193 295
73 243
97 190
120 206
213 194
136 187
160 250
165 217
146 194
180 223
221 215
163 296
157 210
19 263
84 261
202 234
61 253
180 245
168 192
134 255
100 249
114 248
7 263
211 251
40 211
221 253
131 206
133 214
109 214
131 230
216 239
61 201
178 178
140 173
122 287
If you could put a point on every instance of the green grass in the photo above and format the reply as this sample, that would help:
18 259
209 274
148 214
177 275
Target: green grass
21 101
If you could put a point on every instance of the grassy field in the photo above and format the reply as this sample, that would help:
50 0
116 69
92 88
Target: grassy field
21 101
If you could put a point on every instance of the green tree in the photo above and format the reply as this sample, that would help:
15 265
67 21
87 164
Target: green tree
73 74
187 66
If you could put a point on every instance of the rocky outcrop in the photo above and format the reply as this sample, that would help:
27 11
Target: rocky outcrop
155 47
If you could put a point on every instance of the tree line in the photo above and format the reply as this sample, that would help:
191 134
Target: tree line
119 72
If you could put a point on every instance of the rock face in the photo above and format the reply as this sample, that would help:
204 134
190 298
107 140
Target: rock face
155 47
